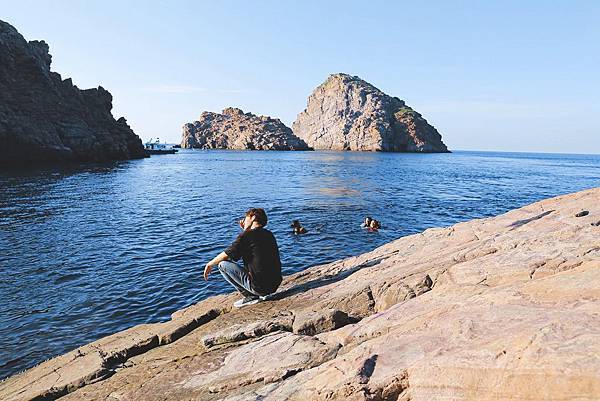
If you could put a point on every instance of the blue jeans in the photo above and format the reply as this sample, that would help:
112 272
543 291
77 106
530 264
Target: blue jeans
237 276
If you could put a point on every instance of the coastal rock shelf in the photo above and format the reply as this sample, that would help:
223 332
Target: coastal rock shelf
234 129
502 308
44 118
347 113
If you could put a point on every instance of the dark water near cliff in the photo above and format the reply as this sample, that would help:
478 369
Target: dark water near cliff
90 251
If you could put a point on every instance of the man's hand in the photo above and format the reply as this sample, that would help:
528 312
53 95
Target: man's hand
207 270
218 259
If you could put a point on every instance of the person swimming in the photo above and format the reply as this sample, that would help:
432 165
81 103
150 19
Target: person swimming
371 224
374 225
298 229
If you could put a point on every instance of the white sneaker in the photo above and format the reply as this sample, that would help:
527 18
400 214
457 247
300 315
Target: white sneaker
246 301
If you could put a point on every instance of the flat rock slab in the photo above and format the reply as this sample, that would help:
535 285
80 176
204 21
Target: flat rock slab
311 322
99 360
503 308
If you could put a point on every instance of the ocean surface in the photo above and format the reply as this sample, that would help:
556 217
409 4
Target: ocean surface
89 251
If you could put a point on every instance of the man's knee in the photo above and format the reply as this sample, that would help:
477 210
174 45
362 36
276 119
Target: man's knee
225 265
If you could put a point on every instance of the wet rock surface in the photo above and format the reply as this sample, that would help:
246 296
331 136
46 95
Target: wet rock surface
347 113
45 119
502 308
234 129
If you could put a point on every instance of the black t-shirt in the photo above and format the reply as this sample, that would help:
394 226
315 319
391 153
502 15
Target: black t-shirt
258 248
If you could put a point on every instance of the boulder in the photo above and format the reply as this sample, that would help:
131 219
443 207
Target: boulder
234 129
347 113
44 118
310 322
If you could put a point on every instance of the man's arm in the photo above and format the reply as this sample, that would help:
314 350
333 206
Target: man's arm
217 259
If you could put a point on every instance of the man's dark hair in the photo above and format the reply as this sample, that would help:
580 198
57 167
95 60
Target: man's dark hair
259 214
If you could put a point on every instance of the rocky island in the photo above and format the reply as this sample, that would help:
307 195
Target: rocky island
501 308
234 129
347 113
45 119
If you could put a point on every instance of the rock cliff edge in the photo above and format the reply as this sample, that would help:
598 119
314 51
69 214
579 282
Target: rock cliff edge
347 113
45 119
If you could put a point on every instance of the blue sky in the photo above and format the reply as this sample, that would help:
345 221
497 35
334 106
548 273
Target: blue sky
505 75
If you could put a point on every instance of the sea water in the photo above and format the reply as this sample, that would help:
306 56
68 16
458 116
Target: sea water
91 250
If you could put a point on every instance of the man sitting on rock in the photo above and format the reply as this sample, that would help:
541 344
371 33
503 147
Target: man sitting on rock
257 247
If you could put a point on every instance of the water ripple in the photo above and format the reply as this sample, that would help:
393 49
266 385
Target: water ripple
88 251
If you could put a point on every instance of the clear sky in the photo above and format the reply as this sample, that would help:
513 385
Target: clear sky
489 75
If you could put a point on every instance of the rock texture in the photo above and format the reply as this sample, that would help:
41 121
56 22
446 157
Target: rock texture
234 129
347 113
44 118
504 308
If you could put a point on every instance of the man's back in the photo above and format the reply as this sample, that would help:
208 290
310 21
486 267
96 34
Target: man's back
258 248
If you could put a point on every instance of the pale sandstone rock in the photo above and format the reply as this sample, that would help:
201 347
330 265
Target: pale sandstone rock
234 129
503 308
347 113
244 331
101 358
254 362
311 322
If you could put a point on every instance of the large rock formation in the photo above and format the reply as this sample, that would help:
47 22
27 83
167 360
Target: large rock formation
234 129
503 308
44 118
347 113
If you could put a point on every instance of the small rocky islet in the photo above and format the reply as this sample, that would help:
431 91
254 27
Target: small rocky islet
234 129
343 113
47 119
348 113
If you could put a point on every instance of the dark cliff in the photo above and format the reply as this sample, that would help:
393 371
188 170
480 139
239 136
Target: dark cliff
45 119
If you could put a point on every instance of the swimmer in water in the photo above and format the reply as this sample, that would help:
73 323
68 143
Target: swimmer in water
375 225
298 229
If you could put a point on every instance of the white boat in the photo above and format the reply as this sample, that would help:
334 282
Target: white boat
157 148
